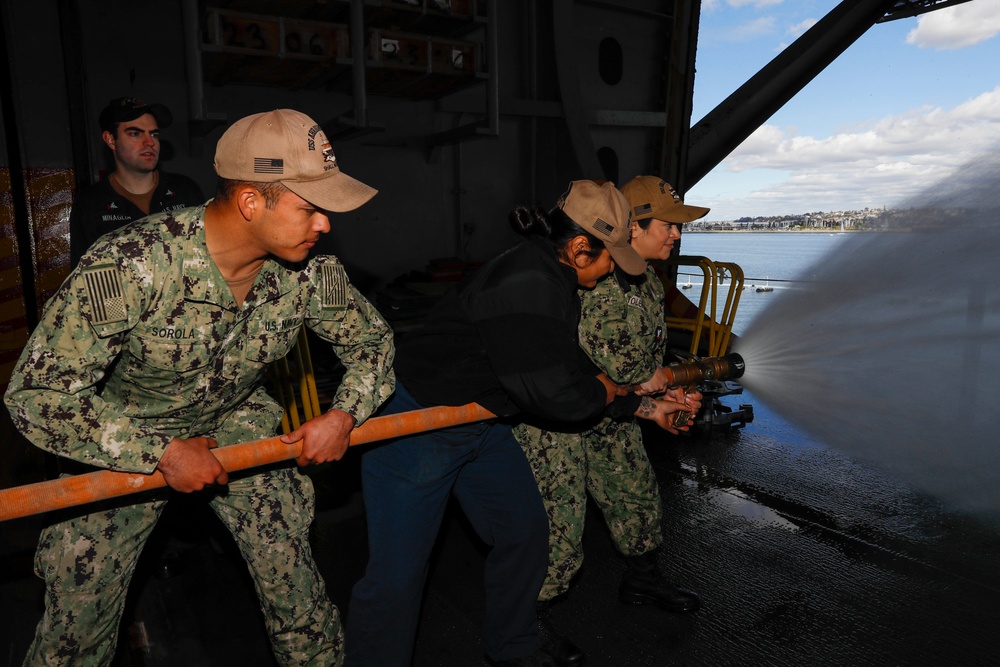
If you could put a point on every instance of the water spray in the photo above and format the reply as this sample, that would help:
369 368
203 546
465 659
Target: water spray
889 351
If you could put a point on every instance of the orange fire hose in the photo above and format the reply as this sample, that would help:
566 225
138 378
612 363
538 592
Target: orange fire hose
29 499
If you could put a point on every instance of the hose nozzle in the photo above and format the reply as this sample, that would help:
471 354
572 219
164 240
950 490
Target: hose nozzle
711 369
715 369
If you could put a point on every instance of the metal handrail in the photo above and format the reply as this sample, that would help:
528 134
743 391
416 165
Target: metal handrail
712 322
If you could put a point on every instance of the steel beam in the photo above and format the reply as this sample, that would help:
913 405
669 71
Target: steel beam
679 73
567 56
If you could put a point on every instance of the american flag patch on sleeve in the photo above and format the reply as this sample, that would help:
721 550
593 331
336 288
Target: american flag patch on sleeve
107 303
334 283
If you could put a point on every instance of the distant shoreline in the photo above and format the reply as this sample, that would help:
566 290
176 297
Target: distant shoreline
779 231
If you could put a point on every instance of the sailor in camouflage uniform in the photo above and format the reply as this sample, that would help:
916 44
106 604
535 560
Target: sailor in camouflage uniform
622 331
153 352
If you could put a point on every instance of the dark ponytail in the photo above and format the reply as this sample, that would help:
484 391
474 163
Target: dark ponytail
557 228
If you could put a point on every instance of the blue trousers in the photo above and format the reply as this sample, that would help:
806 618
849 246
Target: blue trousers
407 484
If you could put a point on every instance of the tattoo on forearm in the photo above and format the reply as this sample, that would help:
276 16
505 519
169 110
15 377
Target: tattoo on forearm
647 407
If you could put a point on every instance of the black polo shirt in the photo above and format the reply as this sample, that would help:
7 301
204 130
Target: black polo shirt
98 209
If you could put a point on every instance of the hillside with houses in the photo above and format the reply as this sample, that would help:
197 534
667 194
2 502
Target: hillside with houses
868 219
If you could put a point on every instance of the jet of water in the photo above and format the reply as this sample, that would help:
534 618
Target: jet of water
891 352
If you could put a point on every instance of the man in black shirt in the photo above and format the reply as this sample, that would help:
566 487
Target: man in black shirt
136 188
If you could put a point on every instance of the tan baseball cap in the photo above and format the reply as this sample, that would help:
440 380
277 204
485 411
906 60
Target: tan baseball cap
653 197
603 211
290 148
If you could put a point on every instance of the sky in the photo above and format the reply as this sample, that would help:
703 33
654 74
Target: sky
904 107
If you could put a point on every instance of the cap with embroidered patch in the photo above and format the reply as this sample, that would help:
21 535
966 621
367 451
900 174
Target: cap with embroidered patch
653 197
603 211
289 147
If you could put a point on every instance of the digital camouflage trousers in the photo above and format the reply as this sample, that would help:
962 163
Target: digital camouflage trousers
88 561
610 463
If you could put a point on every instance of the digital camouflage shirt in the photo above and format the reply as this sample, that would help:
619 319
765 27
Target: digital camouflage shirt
145 342
622 326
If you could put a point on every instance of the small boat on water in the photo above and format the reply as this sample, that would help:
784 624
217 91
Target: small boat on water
766 287
687 285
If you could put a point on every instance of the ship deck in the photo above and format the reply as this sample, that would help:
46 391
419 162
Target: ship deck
801 555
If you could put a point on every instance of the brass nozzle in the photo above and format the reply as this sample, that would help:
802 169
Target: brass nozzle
692 372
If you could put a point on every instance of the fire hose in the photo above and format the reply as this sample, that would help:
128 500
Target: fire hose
22 501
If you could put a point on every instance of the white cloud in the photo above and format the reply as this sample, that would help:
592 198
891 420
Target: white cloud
796 31
757 4
881 163
957 27
751 30
799 28
716 5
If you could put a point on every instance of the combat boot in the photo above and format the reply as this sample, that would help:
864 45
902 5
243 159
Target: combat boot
563 652
642 583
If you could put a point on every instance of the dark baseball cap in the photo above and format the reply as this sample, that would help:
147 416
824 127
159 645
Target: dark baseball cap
124 109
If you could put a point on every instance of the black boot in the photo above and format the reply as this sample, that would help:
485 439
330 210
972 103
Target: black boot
563 652
642 583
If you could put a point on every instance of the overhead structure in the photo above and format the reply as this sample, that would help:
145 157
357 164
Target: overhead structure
724 128
902 9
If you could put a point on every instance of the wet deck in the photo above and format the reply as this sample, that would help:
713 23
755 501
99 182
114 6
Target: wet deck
801 557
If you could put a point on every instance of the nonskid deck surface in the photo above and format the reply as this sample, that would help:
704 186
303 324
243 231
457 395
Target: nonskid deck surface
800 555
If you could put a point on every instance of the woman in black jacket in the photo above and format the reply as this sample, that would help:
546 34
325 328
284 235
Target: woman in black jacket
507 340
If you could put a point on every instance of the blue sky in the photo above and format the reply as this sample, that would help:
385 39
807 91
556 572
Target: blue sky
900 110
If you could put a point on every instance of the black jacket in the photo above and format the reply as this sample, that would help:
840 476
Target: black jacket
98 209
506 339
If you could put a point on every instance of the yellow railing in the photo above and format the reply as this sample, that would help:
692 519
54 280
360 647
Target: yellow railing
294 383
716 307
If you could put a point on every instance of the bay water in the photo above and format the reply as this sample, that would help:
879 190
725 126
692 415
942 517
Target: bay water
779 260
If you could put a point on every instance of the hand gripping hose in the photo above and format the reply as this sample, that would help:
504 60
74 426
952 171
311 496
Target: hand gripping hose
21 501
